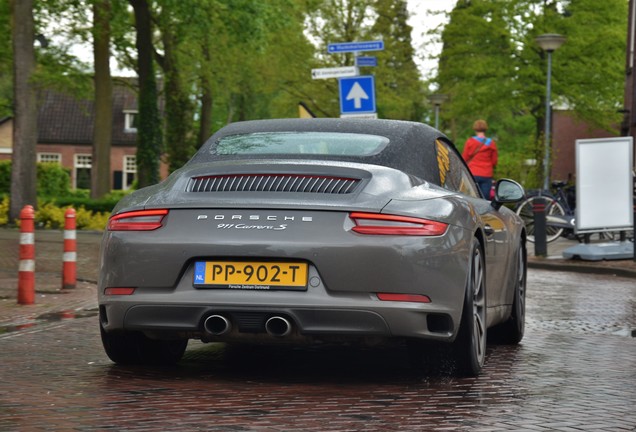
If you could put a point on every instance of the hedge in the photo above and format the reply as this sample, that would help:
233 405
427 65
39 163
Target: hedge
52 179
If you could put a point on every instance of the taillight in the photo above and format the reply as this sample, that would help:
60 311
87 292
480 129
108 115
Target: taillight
142 220
119 291
381 224
415 298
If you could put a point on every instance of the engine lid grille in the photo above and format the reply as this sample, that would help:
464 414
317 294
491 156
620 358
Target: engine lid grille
273 183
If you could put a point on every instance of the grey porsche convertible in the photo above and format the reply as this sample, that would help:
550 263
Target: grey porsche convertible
315 230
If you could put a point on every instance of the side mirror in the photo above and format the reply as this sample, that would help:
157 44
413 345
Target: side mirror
507 191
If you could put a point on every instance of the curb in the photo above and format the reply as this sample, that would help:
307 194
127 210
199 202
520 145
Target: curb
581 268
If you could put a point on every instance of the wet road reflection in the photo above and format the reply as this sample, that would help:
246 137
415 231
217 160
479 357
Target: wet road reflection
572 371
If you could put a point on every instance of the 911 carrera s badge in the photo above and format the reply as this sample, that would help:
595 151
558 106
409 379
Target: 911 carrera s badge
279 227
254 222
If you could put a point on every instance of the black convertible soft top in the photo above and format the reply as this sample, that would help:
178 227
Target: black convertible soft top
411 147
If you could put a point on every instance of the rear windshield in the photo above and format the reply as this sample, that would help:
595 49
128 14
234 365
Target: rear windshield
300 143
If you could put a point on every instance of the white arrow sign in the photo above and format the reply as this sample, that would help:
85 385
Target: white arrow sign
335 72
357 93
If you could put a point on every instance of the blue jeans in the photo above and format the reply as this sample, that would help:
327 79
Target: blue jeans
485 184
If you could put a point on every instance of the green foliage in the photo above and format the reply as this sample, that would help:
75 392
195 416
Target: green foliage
589 67
52 216
4 210
492 68
149 138
79 193
61 71
399 92
102 205
52 180
475 67
79 198
91 220
398 86
6 61
253 60
5 177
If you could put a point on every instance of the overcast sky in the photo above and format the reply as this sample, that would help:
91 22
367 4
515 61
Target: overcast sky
422 20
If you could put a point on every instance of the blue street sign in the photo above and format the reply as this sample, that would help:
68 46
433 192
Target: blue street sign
366 61
357 95
334 48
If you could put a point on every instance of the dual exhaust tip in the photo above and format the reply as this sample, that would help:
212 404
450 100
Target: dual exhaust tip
219 325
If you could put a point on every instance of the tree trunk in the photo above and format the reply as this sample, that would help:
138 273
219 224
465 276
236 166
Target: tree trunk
205 125
178 113
149 141
102 132
25 132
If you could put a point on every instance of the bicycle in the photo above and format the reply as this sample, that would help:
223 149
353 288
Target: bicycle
559 210
560 215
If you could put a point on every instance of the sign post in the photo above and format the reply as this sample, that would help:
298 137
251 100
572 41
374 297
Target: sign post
357 93
604 195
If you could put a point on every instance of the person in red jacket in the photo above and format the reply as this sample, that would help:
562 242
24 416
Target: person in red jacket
480 153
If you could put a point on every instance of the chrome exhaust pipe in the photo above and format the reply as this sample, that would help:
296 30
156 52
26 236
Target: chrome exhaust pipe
278 326
217 325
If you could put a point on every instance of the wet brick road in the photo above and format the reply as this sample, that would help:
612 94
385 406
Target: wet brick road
575 370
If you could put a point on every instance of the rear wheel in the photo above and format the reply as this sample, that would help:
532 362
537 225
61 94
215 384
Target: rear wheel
552 207
136 348
469 349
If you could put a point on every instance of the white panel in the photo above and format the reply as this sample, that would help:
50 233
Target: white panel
604 184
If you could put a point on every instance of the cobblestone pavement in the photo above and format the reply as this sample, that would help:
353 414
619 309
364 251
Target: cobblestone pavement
575 370
50 297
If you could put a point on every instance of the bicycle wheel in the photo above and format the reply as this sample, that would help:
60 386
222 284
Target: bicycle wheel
552 207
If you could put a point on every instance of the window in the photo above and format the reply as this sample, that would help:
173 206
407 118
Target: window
130 121
50 157
453 174
299 143
82 171
130 171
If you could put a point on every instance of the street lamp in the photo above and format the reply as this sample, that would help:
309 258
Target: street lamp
548 43
437 99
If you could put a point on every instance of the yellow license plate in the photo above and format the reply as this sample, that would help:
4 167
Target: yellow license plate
250 275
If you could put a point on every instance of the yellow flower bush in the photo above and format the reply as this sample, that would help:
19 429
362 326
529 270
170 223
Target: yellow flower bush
89 220
49 216
4 211
52 217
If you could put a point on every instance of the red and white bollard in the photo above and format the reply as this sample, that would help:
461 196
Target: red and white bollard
69 267
26 273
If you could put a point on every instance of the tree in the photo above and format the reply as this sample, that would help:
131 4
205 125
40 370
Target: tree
102 131
149 138
399 92
6 61
174 18
492 67
331 21
590 65
23 173
475 66
398 87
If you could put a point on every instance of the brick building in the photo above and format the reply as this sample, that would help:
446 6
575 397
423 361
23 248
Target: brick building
566 129
65 136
